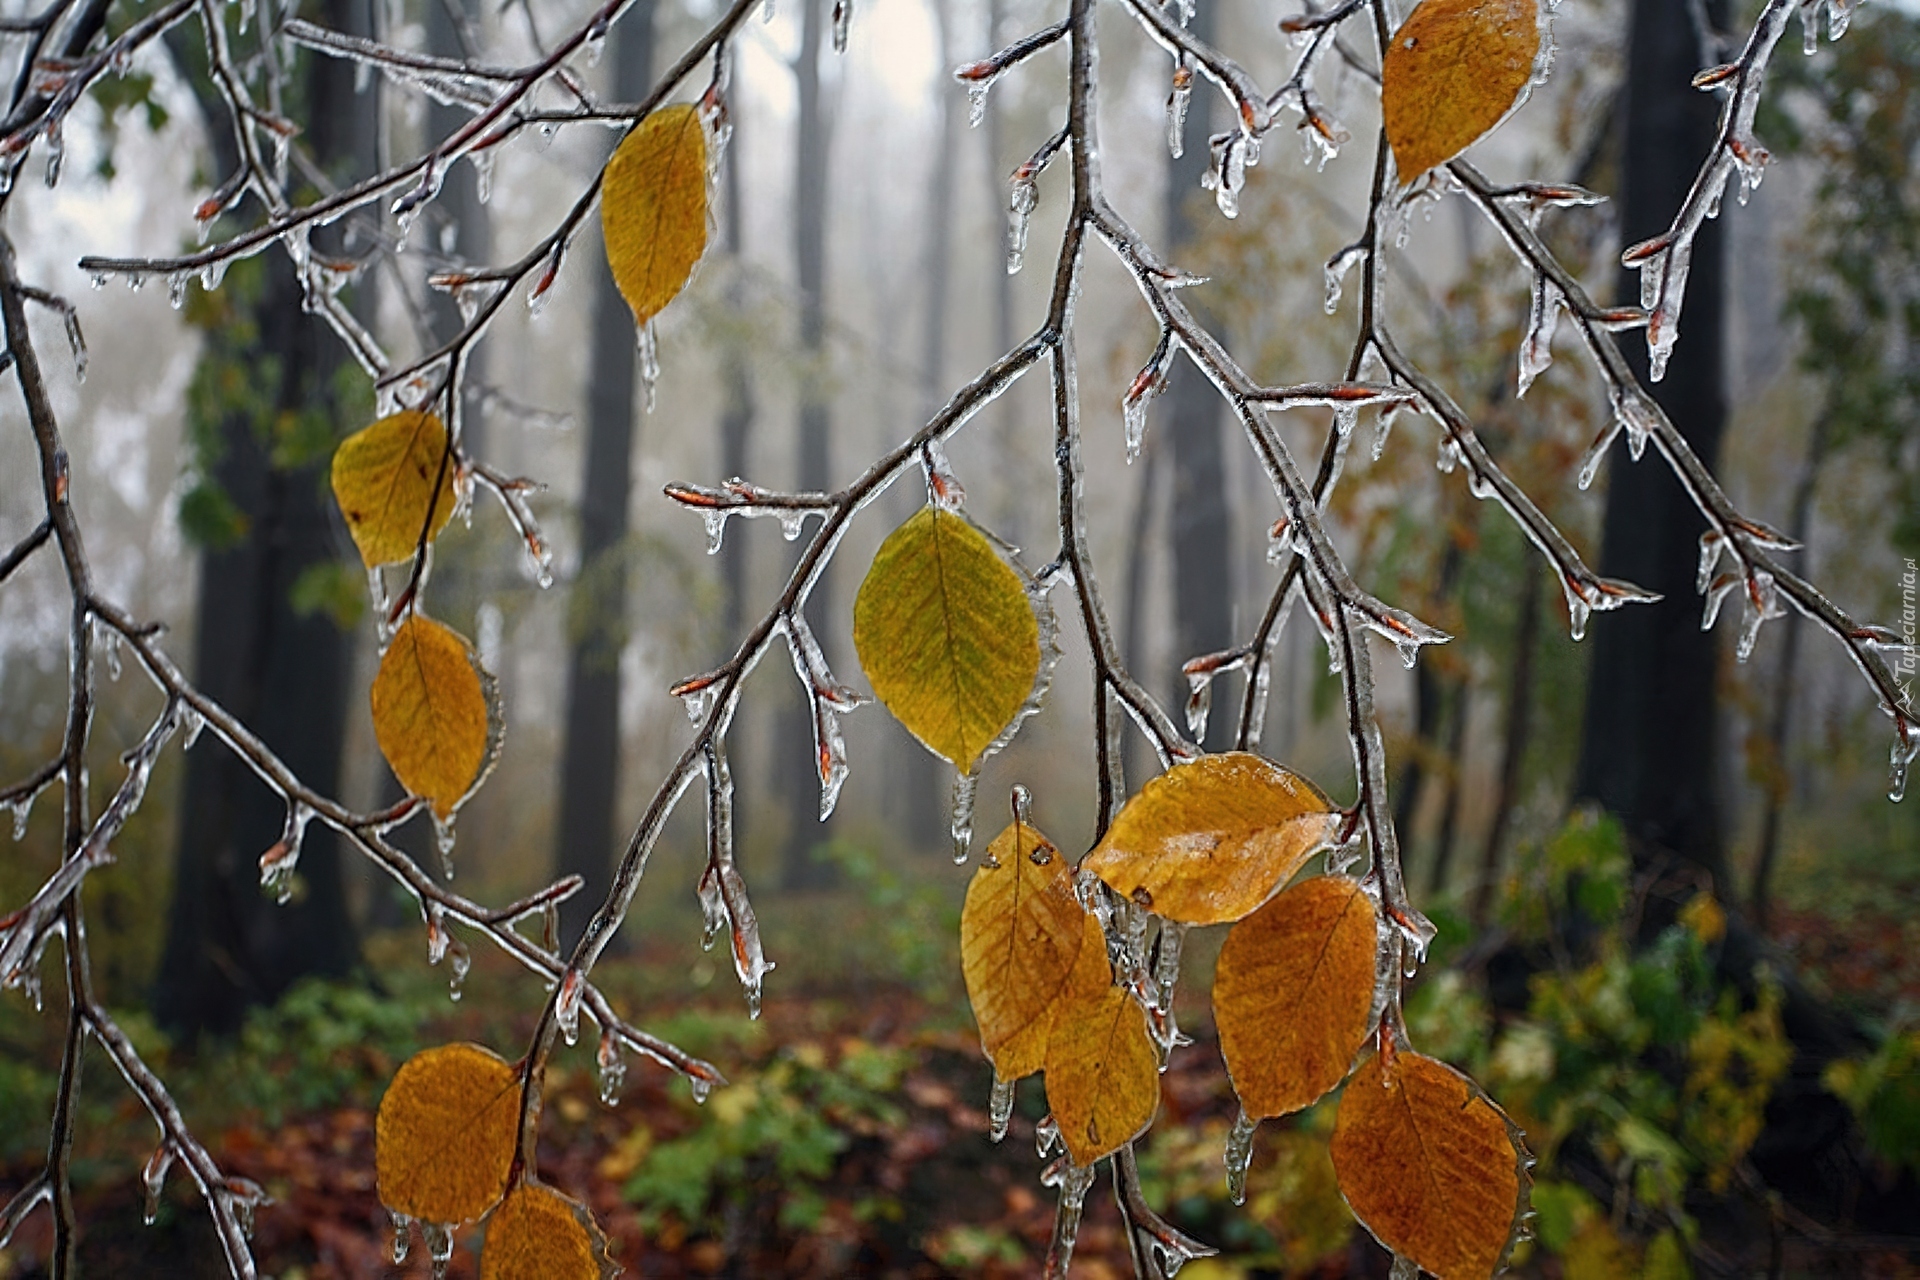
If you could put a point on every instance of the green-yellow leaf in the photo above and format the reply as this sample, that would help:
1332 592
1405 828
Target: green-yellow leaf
653 208
430 713
1208 841
1429 1165
1103 1073
444 1137
1021 932
946 635
1292 991
386 476
1452 72
539 1234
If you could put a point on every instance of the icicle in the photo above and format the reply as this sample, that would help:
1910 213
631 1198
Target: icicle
1000 1107
649 365
1383 429
977 91
1403 1268
612 1065
154 1179
443 841
177 290
1143 391
701 1089
1240 1155
56 155
439 1246
965 784
1450 456
1578 611
566 1008
1166 970
1536 349
1712 543
715 519
842 20
1022 198
1177 103
1906 744
402 1238
278 863
713 907
1199 703
1716 594
1763 602
1338 266
1232 153
1046 1135
830 755
1074 1183
22 808
459 962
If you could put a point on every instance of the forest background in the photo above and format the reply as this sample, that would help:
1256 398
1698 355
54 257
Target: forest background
853 1136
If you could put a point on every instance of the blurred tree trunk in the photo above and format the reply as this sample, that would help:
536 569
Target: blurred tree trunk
921 800
597 601
1197 512
793 738
1513 750
274 376
1647 751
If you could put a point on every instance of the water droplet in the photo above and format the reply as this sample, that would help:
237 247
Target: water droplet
613 1068
459 962
702 1088
566 1010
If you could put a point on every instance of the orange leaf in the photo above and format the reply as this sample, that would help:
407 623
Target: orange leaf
1292 992
1103 1073
1430 1165
1020 933
431 713
653 208
1208 841
539 1234
1453 71
386 476
444 1138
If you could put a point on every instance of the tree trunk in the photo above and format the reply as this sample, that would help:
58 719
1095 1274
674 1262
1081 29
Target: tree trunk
793 739
284 673
922 797
1513 752
1197 514
1647 748
597 607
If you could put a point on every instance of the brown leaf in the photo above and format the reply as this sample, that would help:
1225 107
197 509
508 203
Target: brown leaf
539 1234
1208 841
444 1138
1452 72
653 208
1020 933
1292 992
1103 1074
430 712
1429 1165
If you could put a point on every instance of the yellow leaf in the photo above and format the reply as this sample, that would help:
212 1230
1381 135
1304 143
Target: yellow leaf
1020 933
384 478
1429 1165
1103 1074
1208 841
430 713
653 208
1452 72
946 635
539 1234
1292 992
444 1138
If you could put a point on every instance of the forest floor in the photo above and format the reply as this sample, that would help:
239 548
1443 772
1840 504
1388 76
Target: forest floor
851 1141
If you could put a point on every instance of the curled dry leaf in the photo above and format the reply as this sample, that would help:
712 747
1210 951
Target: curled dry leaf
1430 1165
386 476
1452 72
1208 841
1103 1073
1021 931
653 208
444 1137
946 635
539 1234
430 712
1292 992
